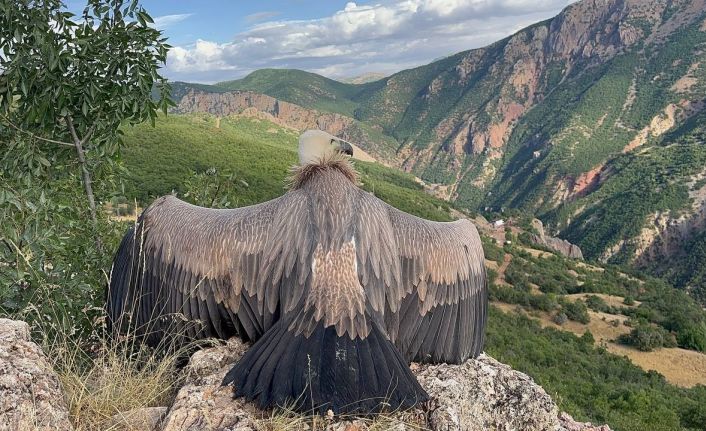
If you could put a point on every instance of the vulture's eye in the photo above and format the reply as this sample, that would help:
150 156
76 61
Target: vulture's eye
333 141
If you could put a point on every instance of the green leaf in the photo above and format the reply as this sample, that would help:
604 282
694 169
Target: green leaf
43 161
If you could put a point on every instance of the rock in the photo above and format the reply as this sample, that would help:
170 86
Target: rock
203 404
559 245
484 394
480 394
31 396
144 419
209 407
569 424
263 107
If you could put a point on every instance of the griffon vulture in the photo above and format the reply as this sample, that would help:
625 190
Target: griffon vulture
338 290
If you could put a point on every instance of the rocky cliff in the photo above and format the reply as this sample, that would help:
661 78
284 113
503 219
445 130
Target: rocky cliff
478 395
559 245
256 105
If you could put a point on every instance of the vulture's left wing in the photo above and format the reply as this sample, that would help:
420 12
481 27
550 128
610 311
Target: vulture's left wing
435 294
205 272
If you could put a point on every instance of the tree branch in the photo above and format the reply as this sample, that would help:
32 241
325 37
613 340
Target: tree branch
85 174
32 135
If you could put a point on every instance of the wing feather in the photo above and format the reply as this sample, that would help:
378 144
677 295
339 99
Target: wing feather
431 273
186 263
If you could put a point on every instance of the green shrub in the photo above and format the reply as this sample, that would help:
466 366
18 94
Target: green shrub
647 337
596 303
576 311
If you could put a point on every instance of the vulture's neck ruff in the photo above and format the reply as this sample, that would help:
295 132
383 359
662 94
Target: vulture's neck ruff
301 174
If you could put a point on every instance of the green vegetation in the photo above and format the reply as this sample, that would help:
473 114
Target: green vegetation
590 383
576 311
302 88
661 305
258 153
646 338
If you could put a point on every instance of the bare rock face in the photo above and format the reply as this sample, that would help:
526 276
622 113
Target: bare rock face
480 394
484 394
559 245
31 397
569 424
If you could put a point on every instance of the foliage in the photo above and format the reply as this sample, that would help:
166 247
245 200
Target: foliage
212 189
48 262
491 249
63 95
590 383
672 310
596 303
576 310
258 153
646 338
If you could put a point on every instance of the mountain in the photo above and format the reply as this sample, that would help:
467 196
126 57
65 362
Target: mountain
364 78
592 120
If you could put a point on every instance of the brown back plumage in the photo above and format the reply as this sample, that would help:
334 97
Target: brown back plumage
326 275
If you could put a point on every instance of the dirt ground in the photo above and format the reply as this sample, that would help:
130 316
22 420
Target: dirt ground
611 300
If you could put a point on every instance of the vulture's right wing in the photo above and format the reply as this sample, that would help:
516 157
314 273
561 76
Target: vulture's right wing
204 272
430 279
443 317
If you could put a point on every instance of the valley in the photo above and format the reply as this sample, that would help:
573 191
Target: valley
592 121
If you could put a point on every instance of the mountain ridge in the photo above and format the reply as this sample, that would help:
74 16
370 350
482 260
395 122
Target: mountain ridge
552 120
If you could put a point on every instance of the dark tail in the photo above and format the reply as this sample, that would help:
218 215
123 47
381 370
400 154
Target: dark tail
325 371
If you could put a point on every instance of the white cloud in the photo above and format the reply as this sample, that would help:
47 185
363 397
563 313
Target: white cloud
383 37
165 21
261 16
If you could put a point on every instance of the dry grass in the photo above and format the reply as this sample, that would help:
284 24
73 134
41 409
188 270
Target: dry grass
288 420
111 378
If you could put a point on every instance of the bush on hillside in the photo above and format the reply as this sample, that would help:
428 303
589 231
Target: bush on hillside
596 303
576 311
647 338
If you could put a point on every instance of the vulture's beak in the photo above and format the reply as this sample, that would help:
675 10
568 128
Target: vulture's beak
345 148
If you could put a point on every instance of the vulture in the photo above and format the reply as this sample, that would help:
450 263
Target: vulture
337 290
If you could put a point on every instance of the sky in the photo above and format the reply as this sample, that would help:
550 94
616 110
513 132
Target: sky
217 40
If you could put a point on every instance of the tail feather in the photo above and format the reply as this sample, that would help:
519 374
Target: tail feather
325 371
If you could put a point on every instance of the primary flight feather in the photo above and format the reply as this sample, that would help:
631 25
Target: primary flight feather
338 290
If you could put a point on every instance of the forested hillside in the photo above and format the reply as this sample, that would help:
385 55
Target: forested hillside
592 120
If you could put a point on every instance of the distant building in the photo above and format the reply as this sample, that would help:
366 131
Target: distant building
499 223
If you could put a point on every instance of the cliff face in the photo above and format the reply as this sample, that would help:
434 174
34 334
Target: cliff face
283 113
251 104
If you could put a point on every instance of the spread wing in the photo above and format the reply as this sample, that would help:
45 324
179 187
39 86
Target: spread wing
204 272
435 294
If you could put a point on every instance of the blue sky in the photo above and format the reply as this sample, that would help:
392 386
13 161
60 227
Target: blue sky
217 40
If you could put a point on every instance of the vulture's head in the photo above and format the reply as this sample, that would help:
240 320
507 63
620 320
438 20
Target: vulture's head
316 145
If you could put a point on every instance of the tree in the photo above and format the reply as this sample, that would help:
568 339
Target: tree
73 83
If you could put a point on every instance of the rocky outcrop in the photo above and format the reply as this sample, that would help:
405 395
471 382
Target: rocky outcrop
286 114
478 395
31 397
559 245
